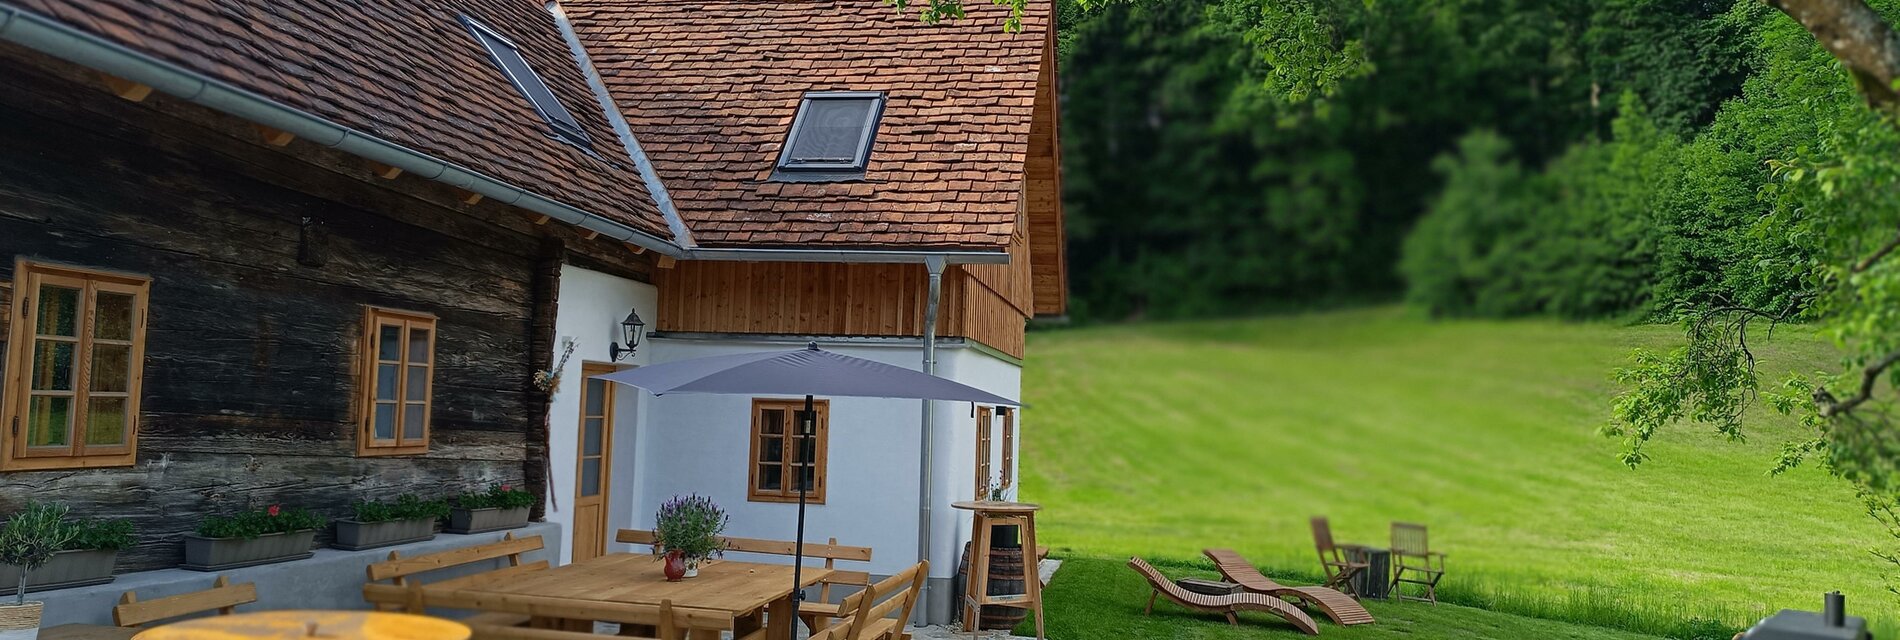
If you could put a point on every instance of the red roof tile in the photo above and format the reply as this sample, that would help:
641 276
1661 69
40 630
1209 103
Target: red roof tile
710 89
407 71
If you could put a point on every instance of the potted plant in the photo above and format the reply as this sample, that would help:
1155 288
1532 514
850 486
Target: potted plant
27 541
500 507
690 526
381 524
88 557
263 536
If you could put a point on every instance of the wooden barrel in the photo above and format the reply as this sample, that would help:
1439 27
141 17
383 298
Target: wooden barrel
1006 579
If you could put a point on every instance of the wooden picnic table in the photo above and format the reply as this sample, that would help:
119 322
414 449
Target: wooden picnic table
628 588
293 624
88 632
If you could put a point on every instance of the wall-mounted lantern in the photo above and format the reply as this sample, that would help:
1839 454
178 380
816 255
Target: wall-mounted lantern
630 329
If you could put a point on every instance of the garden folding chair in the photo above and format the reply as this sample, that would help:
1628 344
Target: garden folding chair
1414 562
1340 569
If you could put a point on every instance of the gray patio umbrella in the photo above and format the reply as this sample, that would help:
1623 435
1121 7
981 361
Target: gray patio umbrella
805 372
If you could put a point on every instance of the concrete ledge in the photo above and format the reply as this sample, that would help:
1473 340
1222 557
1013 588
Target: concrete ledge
331 579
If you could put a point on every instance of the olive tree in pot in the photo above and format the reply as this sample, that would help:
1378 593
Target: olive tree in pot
690 526
27 541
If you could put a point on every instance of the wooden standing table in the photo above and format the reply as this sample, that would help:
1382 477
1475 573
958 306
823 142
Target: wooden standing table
291 625
989 515
628 588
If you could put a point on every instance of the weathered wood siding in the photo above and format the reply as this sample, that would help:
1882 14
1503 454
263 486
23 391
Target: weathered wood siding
250 375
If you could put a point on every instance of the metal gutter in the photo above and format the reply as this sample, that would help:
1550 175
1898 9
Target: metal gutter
67 43
924 459
681 235
831 255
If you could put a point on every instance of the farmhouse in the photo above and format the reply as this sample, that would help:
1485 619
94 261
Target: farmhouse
316 252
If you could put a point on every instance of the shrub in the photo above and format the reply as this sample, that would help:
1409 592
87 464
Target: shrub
251 524
691 525
499 496
405 507
100 534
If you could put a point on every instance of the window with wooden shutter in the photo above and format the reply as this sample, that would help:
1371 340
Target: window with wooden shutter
781 459
398 372
1009 446
984 471
77 349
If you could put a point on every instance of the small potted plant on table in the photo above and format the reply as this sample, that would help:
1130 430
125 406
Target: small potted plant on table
263 536
500 507
88 557
381 524
688 529
27 541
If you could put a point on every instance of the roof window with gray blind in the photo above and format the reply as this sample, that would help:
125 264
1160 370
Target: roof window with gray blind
507 57
831 137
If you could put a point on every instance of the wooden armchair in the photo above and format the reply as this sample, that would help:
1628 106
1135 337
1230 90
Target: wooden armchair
1339 567
1414 562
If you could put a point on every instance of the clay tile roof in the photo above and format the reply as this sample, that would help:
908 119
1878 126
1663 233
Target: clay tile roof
408 72
710 90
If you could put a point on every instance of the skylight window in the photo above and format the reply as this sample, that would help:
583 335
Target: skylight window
831 136
507 57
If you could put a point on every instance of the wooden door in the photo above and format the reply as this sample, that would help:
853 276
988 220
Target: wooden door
593 463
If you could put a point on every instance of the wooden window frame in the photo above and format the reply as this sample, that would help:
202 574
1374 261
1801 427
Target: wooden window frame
787 492
374 319
1009 446
984 436
22 334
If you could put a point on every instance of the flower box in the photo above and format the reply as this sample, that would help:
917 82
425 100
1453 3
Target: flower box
485 520
357 536
218 554
67 569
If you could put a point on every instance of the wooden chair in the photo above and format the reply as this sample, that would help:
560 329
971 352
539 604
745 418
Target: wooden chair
1411 554
668 629
817 615
881 611
1225 605
1338 606
398 595
222 596
1339 567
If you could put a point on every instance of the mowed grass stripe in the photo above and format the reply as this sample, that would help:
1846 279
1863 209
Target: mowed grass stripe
1164 439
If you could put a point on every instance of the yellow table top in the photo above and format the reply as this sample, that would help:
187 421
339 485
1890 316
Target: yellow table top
288 625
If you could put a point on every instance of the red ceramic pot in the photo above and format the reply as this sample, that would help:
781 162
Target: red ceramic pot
675 566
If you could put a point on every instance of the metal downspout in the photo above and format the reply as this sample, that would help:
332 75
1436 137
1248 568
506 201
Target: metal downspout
935 265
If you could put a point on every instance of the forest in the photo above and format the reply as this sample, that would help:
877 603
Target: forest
1622 159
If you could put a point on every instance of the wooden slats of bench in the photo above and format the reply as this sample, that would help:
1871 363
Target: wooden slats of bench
222 596
403 567
829 551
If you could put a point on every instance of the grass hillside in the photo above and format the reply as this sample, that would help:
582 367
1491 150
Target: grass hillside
1162 439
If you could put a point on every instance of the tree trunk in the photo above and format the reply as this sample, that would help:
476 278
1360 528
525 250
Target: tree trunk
1860 38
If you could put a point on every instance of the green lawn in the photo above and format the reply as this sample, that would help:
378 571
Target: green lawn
1098 598
1162 439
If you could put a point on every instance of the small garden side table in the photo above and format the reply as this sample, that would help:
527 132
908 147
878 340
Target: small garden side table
989 514
290 625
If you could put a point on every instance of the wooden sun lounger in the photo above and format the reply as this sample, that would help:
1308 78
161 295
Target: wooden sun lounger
1338 606
1225 605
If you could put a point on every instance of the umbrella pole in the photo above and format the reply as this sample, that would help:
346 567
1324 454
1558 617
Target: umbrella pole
805 428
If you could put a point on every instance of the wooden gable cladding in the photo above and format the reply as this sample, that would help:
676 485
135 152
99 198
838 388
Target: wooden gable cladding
1042 199
831 299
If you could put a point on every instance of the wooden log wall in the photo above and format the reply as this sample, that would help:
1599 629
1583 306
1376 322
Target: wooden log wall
250 376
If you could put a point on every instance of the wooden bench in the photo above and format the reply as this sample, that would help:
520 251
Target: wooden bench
223 597
399 593
667 629
880 611
815 614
